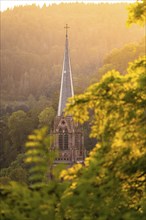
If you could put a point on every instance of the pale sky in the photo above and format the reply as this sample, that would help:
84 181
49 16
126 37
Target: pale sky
4 4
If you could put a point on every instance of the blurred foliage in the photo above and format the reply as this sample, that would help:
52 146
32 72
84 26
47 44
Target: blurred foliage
119 59
112 182
137 13
19 125
19 121
38 199
40 157
19 202
46 117
17 171
114 176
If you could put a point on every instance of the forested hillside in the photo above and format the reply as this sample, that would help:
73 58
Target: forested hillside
32 45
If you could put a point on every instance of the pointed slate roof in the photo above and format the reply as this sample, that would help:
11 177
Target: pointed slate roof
66 89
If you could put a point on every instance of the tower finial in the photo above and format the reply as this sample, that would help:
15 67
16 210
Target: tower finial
66 27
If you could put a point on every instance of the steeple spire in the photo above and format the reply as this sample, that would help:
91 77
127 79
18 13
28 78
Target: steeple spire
66 89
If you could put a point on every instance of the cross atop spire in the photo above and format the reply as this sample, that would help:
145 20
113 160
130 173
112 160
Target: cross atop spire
66 27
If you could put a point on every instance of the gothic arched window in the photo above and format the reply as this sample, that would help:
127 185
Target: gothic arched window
66 139
61 139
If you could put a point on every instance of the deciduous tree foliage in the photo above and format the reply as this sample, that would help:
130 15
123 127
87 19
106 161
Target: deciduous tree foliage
111 184
16 171
40 156
23 118
20 125
119 58
46 117
137 13
114 175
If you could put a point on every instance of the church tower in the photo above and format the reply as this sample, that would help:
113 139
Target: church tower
68 135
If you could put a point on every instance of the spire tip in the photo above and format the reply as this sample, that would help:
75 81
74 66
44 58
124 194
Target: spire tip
66 27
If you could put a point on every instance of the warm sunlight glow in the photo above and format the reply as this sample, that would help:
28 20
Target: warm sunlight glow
4 5
73 110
